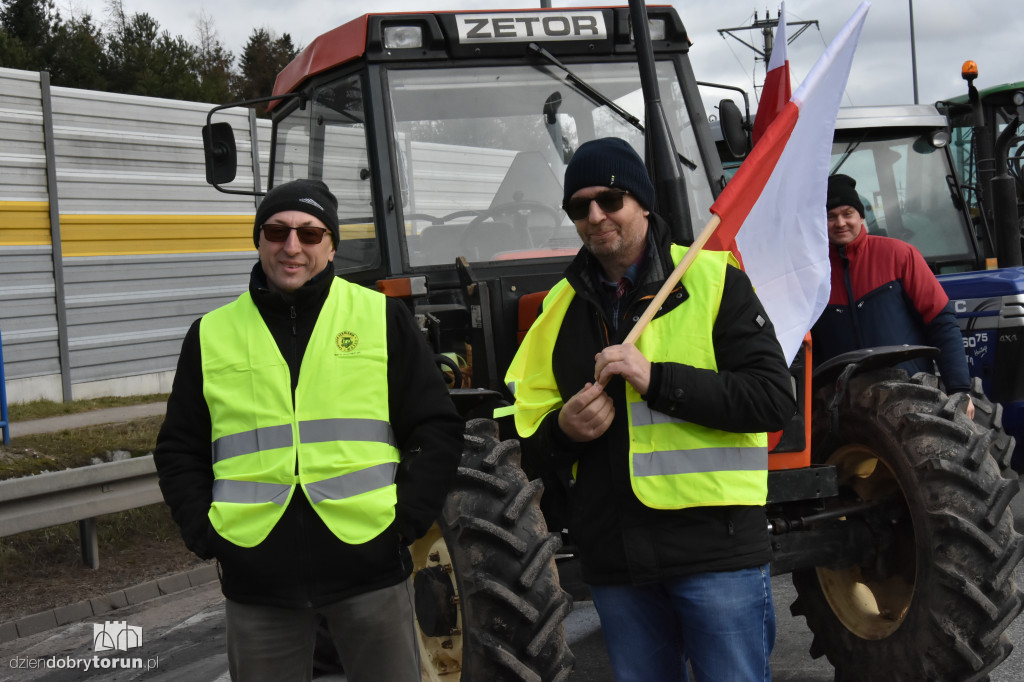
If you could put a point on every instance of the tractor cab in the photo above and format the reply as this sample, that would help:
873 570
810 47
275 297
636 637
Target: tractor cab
445 137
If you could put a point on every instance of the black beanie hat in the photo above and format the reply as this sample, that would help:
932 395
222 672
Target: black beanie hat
308 196
608 162
842 191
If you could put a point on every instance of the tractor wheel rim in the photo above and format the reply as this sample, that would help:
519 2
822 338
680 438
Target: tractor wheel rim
871 604
441 656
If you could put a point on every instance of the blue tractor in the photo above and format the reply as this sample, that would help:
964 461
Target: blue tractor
986 149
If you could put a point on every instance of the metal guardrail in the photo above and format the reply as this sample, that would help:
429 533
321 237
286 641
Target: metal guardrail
80 494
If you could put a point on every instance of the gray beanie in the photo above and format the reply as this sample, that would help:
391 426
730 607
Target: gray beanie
608 162
308 196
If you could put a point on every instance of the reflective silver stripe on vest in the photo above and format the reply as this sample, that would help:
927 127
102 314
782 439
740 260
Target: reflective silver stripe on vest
249 492
326 430
356 483
706 460
248 442
645 416
511 386
313 431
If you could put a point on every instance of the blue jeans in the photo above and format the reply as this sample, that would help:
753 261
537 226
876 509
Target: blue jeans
723 622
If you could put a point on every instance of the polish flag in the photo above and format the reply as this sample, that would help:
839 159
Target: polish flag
778 197
777 90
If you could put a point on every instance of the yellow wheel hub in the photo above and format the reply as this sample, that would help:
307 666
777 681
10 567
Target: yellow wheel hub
870 603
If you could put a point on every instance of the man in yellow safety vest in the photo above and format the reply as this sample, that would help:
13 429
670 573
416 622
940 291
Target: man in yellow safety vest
309 439
665 438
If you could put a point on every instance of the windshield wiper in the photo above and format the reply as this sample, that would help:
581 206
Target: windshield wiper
595 96
851 147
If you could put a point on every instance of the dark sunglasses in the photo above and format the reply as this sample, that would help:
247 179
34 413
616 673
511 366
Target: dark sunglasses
609 201
307 234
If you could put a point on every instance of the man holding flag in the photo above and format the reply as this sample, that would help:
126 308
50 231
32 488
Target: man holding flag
665 432
666 437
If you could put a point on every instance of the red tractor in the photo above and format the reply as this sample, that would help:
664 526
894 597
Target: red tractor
445 137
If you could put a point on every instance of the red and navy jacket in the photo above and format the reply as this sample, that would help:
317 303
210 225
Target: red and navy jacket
884 294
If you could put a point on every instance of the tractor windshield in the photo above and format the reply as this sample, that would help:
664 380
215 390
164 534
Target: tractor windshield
907 187
481 153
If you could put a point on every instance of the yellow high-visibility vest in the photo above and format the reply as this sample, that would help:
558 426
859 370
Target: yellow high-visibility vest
335 442
673 464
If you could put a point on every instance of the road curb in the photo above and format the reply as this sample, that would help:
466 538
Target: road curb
98 606
78 420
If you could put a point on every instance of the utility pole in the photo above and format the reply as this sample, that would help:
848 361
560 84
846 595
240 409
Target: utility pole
766 27
913 50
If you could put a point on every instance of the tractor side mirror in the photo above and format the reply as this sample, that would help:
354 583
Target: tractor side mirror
734 132
221 156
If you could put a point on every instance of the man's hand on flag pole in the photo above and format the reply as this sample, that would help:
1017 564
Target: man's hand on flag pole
627 361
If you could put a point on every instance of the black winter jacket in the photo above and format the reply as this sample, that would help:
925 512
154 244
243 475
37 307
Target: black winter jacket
302 563
620 540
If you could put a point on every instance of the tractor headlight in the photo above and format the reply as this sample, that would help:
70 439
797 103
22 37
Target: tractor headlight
403 37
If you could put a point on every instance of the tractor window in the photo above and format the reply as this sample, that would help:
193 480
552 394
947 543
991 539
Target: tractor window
902 182
327 140
481 153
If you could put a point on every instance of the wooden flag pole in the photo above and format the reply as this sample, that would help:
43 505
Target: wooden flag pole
673 278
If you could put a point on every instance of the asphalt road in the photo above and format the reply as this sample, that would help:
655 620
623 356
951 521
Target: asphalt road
183 639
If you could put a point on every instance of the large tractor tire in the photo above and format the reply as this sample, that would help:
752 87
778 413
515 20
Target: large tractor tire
987 414
935 601
488 602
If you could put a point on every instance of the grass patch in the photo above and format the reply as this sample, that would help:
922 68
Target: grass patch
35 453
33 551
39 409
43 569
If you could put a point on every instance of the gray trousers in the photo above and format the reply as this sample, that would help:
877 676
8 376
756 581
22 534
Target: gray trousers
374 632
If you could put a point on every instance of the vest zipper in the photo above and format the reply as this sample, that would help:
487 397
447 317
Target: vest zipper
300 517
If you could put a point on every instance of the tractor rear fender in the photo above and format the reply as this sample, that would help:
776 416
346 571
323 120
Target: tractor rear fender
842 368
846 365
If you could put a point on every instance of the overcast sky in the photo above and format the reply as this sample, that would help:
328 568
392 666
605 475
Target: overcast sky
946 33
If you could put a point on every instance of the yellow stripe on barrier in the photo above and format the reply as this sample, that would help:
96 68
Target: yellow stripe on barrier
24 223
128 235
27 223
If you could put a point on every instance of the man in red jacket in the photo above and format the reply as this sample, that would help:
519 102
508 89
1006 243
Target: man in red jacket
884 294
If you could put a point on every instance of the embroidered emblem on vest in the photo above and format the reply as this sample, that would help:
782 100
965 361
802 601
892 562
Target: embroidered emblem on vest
347 341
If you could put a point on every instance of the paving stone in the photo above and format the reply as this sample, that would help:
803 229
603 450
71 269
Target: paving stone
109 602
143 592
202 575
174 583
73 612
36 623
8 632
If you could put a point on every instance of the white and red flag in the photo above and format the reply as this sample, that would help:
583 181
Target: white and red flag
776 91
774 207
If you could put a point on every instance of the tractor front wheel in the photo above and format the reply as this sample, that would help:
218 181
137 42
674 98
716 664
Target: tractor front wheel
488 602
936 599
